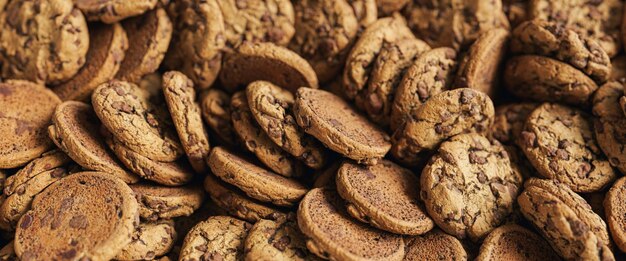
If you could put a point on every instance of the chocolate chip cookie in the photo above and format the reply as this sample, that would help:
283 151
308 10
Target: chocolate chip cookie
180 97
609 124
332 234
339 127
434 245
267 62
614 209
42 41
565 220
217 238
23 122
384 195
48 161
541 78
84 215
540 37
470 178
150 240
118 103
513 242
215 107
558 141
111 11
158 202
442 116
253 180
107 48
276 240
430 74
272 107
509 120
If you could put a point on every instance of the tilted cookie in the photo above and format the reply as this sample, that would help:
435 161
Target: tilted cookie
434 245
111 11
47 161
276 240
565 220
23 122
158 202
470 178
339 127
615 213
272 107
150 240
559 142
514 242
217 238
442 116
609 124
215 107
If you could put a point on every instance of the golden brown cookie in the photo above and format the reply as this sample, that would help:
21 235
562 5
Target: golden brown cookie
118 103
217 238
215 107
253 180
610 123
434 245
565 220
332 234
516 11
509 120
258 142
23 122
430 74
325 31
276 240
42 41
388 7
442 116
272 107
540 37
384 195
149 37
558 141
111 11
47 161
480 67
180 97
513 242
150 240
545 79
267 62
615 212
158 202
76 130
470 178
77 221
339 127
108 45
365 11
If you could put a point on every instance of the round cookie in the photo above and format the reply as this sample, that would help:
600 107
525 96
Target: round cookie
479 69
111 11
77 221
362 57
158 202
217 238
442 116
470 178
454 24
384 195
42 41
150 240
391 63
430 74
540 37
332 234
276 240
215 107
237 204
599 21
149 36
165 173
272 107
18 203
258 142
558 141
108 45
180 97
565 220
23 122
609 124
509 121
48 161
544 79
325 31
76 130
339 127
119 103
267 62
257 21
198 42
615 212
256 182
513 242
434 245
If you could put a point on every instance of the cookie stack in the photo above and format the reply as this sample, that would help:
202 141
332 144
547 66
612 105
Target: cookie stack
312 129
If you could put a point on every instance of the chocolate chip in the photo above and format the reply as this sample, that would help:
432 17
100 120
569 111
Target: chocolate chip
282 243
26 221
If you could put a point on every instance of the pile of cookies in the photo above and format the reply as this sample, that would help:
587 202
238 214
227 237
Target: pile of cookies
312 129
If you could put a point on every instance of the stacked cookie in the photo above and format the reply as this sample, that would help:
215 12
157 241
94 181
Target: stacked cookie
312 129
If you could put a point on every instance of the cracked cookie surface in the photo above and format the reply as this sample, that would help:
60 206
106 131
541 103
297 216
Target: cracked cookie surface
215 107
150 240
276 240
217 238
509 120
609 124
